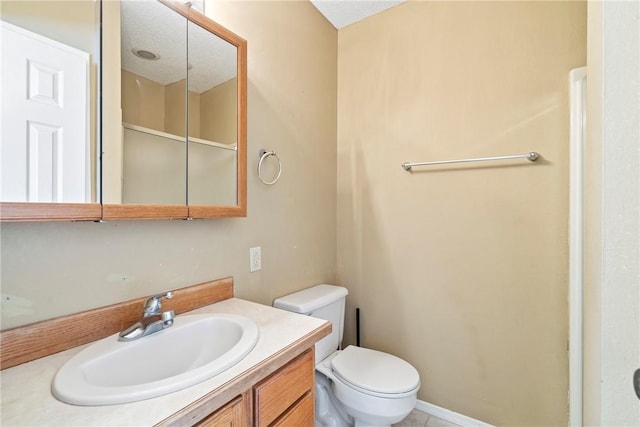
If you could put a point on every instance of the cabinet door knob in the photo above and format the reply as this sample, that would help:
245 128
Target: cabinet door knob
636 382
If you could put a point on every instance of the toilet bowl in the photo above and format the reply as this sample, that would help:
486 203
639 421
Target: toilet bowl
375 388
355 386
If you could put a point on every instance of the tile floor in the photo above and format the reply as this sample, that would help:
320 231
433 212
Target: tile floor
420 419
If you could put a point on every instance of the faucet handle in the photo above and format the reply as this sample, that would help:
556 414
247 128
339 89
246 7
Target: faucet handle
167 295
153 303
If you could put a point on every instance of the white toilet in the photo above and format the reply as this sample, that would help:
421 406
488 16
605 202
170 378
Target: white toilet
355 385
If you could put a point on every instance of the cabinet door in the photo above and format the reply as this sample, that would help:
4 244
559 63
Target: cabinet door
300 415
284 389
230 415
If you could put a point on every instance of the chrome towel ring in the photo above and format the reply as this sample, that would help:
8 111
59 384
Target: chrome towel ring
263 155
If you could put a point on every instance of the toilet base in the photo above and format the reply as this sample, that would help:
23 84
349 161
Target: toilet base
329 412
361 424
338 405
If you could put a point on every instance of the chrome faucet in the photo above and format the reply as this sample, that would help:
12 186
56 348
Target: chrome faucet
153 320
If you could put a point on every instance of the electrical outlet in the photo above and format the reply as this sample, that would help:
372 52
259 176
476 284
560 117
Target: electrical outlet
255 259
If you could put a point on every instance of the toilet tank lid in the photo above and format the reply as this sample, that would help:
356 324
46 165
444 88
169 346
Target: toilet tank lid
310 299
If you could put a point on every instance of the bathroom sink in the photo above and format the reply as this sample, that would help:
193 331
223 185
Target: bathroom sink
195 348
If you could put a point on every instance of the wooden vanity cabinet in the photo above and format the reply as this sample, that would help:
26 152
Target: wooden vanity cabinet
286 396
283 398
233 414
300 414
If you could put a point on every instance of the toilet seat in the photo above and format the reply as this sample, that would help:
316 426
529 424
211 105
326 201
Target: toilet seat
375 373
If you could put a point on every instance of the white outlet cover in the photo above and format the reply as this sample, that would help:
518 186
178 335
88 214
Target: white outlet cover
255 259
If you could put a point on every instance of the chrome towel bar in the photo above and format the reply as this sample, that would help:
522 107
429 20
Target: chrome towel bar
532 156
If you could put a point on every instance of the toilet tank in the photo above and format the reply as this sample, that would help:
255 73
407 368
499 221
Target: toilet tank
324 302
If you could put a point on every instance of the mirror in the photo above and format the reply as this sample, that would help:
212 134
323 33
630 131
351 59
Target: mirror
50 69
153 79
213 121
182 93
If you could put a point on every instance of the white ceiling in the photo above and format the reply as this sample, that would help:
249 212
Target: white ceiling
152 26
345 12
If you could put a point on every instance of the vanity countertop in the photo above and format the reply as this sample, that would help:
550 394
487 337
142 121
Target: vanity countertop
26 389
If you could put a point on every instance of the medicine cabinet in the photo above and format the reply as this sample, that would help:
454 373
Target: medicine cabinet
168 137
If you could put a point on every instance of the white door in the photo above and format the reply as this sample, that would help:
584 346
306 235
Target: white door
44 147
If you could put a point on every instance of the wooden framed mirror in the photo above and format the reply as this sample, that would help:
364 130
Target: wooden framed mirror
50 192
177 149
50 138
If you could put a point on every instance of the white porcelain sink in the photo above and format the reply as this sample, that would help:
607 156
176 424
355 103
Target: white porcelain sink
194 349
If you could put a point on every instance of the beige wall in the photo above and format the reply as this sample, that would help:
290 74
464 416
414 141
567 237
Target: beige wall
143 102
73 23
174 108
195 115
161 107
218 113
461 270
211 175
153 169
49 269
175 111
153 105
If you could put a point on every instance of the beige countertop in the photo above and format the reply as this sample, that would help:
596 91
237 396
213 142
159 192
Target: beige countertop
26 397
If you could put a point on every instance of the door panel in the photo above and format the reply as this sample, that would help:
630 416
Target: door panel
45 136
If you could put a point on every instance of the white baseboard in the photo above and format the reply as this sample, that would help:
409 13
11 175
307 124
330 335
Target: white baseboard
452 417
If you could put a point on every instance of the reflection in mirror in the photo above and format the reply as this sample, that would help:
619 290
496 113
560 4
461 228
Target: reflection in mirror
176 89
49 60
153 81
151 173
213 120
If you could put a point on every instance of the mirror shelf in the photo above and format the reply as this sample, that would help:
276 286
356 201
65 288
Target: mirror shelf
181 139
